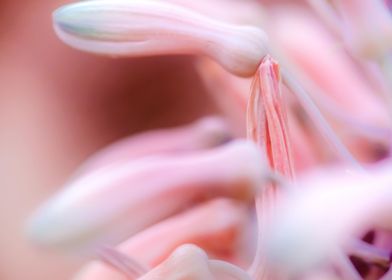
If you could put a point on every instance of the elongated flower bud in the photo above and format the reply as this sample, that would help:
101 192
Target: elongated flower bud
214 226
267 118
205 133
112 203
267 126
145 28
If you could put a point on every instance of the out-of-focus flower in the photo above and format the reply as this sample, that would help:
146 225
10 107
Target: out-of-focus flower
340 206
368 25
216 226
190 262
203 134
144 191
309 102
336 99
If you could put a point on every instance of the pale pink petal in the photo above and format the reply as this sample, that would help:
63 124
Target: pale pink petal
215 226
145 28
368 24
306 152
107 205
190 262
321 217
245 12
204 133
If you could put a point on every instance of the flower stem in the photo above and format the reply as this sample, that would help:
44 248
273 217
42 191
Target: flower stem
315 114
370 254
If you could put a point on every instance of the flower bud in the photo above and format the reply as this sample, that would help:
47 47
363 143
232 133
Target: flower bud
145 28
111 203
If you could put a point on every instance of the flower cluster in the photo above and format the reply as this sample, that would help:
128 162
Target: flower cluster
292 181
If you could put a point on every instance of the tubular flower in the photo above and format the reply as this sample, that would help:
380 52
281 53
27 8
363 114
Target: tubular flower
307 196
142 28
216 226
143 190
206 133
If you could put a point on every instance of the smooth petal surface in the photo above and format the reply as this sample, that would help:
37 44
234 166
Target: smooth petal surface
245 12
204 133
144 28
112 203
214 226
332 206
190 262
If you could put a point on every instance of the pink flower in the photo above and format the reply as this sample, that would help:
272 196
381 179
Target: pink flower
310 103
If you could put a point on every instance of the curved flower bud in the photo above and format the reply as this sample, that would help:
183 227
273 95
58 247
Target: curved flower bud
214 226
145 28
117 201
207 132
